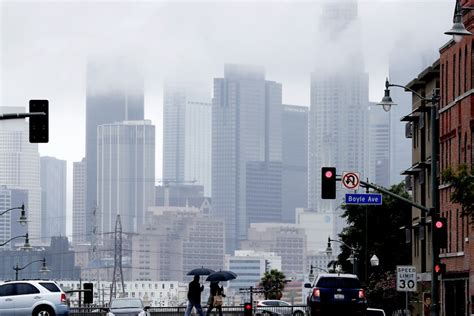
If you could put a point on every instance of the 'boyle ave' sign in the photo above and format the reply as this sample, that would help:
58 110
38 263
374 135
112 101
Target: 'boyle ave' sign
364 199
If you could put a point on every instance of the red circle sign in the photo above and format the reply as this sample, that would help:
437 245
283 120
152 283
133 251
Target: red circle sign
350 180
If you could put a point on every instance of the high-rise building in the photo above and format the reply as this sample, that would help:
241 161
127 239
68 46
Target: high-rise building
79 202
53 197
20 167
9 225
294 192
246 138
339 100
186 137
125 173
114 93
378 146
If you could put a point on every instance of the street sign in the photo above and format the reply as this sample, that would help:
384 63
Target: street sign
350 180
364 199
406 278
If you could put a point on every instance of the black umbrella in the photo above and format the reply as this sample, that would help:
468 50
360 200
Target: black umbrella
200 271
221 276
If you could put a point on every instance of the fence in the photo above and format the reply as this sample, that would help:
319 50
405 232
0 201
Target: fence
296 310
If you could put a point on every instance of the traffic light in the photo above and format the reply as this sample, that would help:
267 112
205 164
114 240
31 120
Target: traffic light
328 183
440 233
89 293
248 309
440 268
39 129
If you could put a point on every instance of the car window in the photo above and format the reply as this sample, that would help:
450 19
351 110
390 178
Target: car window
7 290
50 287
284 303
131 303
336 283
25 288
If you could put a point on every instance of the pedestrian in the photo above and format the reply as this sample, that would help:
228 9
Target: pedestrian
216 298
194 296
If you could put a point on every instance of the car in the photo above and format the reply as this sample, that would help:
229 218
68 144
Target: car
278 307
127 306
32 297
336 294
375 312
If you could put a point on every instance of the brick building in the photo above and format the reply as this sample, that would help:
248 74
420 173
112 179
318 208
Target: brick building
456 119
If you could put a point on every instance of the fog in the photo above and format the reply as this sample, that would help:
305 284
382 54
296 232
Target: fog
45 46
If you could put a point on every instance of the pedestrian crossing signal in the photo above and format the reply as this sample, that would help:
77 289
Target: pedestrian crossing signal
248 309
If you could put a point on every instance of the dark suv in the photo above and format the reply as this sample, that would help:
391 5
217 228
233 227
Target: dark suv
336 294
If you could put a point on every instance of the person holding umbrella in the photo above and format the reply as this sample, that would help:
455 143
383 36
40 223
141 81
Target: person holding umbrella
215 298
194 296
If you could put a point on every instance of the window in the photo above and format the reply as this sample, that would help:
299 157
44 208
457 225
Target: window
50 287
25 288
7 290
465 68
454 76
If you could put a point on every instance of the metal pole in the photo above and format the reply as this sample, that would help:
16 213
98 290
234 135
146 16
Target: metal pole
16 272
406 302
435 204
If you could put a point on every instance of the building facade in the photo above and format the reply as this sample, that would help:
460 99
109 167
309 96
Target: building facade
294 136
9 226
125 173
456 124
110 97
79 182
53 198
378 146
246 134
20 167
186 137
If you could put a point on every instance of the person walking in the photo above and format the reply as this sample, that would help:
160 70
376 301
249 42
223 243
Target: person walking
215 298
194 296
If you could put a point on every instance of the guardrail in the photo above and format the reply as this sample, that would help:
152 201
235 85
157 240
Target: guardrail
295 310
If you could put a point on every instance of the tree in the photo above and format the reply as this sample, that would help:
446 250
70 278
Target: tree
462 183
384 239
273 283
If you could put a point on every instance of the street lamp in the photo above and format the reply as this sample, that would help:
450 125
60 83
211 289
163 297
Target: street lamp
26 246
374 261
22 220
458 31
44 268
352 258
434 100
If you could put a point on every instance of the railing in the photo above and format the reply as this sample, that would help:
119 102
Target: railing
295 310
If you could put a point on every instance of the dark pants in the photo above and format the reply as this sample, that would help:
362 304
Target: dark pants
209 310
196 305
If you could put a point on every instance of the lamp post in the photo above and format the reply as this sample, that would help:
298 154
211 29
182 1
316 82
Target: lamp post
352 257
458 30
22 220
44 268
26 246
387 103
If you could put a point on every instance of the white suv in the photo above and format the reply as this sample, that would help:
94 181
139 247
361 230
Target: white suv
37 298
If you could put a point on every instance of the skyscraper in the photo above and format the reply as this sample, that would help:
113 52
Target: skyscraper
294 160
339 100
20 167
114 93
378 146
79 202
53 197
246 137
186 137
9 225
125 173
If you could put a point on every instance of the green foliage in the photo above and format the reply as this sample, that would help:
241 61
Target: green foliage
273 283
462 183
384 239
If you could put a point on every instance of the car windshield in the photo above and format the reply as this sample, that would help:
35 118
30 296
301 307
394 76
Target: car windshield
335 283
132 303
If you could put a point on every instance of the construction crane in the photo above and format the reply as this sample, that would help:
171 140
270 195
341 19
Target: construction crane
166 185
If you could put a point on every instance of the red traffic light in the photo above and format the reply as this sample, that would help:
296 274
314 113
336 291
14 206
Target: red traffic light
328 174
439 224
248 306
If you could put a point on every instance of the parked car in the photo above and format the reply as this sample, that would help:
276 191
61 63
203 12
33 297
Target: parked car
375 312
32 297
127 306
336 294
278 307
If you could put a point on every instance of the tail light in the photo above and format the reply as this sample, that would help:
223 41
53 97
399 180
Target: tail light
63 298
316 292
362 294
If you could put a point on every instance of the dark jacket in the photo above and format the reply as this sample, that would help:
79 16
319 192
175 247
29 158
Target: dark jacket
194 292
216 289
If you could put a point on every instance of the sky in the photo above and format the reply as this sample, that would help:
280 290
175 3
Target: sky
44 46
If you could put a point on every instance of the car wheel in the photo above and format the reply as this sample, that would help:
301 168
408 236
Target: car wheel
298 313
44 311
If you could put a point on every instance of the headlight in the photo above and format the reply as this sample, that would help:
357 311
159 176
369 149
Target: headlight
110 314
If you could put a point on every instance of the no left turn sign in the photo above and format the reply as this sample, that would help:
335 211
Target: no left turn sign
350 180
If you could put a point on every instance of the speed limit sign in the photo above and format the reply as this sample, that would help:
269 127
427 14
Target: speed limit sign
406 278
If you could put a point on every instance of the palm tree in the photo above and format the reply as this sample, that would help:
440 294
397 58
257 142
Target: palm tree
273 283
